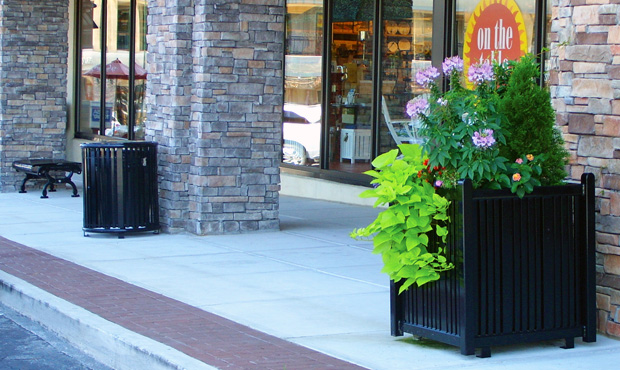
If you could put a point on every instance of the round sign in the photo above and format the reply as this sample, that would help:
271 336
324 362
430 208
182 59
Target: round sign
495 31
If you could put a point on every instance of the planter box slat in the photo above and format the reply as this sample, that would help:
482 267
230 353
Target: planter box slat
523 271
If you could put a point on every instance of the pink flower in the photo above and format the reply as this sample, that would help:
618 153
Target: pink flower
426 76
417 106
452 64
438 183
483 139
479 73
519 160
516 177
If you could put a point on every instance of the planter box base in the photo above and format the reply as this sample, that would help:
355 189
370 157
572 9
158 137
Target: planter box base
524 271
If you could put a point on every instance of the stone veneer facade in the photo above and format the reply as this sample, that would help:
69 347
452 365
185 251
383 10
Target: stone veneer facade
215 107
585 87
33 83
215 98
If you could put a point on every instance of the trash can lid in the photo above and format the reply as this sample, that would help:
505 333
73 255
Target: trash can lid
118 144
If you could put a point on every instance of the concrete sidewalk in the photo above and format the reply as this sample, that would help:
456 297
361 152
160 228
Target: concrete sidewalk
308 285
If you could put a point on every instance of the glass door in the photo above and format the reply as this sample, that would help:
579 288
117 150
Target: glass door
406 49
351 86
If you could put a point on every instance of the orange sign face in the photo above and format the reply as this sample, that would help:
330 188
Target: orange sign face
495 31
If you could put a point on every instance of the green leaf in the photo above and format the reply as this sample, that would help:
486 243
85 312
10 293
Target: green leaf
382 238
406 285
370 193
424 239
385 159
390 219
374 174
412 242
441 231
427 278
411 151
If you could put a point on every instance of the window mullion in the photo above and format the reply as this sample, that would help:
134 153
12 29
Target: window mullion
103 78
132 71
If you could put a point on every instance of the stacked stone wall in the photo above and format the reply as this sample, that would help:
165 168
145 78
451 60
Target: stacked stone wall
33 81
169 86
221 172
585 87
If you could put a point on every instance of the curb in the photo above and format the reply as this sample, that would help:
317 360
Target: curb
106 342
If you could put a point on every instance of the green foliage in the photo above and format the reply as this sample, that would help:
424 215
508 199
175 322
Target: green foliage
500 134
531 120
452 121
400 233
525 174
507 105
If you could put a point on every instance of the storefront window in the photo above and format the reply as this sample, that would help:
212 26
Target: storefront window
350 104
302 111
112 33
374 50
406 49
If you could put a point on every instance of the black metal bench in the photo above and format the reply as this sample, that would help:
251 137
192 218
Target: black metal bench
48 169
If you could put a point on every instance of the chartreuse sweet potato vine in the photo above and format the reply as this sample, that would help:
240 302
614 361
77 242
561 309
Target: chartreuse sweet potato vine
400 233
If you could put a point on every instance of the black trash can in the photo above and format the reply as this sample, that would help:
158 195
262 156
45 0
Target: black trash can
120 187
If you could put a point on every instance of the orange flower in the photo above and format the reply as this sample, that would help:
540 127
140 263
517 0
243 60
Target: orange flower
425 162
530 157
516 177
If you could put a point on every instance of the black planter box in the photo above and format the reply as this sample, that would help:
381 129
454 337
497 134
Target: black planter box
524 271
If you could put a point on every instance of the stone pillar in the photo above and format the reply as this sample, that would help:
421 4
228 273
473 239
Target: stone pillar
215 103
585 88
33 77
168 98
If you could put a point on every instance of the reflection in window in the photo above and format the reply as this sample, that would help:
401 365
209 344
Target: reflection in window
406 50
109 104
302 87
351 77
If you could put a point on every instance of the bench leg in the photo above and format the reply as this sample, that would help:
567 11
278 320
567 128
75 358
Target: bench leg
75 191
67 180
44 193
23 187
51 181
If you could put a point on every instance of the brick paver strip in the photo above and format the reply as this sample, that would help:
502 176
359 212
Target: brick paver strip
207 337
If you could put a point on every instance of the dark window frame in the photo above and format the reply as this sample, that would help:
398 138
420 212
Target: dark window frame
102 25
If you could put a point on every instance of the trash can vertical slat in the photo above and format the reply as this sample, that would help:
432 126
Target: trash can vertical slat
120 187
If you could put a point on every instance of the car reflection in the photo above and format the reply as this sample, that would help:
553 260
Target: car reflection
302 134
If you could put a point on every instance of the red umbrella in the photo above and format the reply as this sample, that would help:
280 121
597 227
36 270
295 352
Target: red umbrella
116 70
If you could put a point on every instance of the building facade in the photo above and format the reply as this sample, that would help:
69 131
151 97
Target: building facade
585 86
238 93
33 83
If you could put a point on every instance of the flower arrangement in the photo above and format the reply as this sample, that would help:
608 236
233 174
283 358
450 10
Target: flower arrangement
465 128
468 131
479 132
